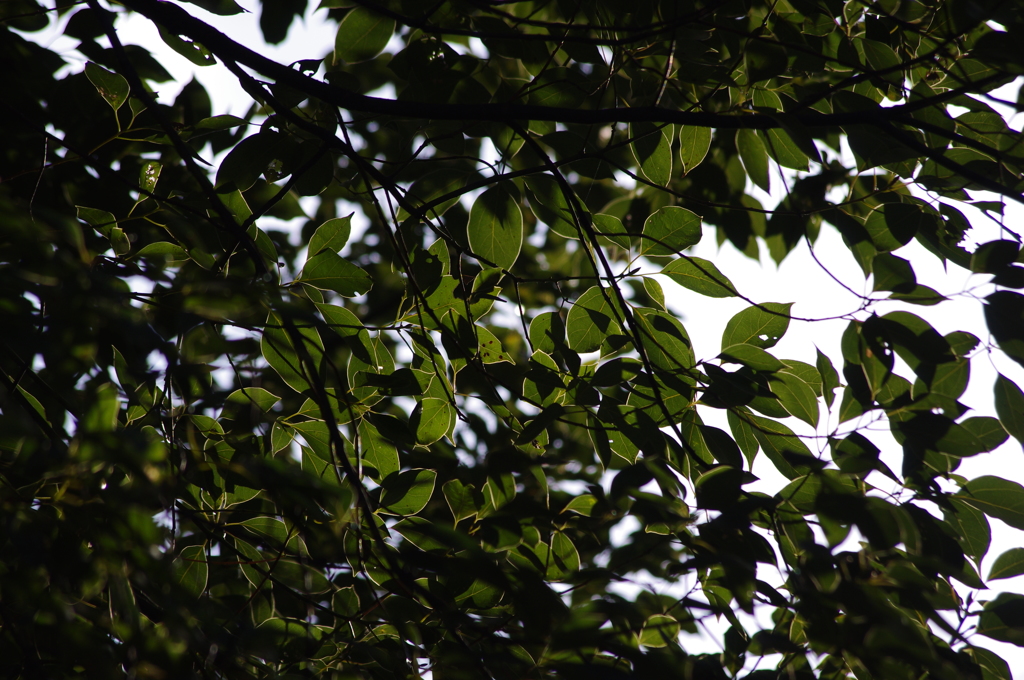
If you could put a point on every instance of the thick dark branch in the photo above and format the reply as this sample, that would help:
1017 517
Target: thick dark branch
636 35
179 22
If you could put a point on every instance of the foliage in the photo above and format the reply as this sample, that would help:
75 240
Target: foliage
402 442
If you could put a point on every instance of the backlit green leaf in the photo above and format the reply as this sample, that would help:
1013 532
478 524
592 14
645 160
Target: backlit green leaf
192 570
362 35
328 271
1010 407
700 276
659 630
670 230
996 497
332 235
378 452
694 143
496 227
407 493
652 150
754 157
592 319
762 326
582 504
1008 565
111 86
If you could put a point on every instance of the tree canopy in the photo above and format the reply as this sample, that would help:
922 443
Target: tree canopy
397 440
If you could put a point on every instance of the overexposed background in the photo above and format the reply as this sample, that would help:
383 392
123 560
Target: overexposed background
800 279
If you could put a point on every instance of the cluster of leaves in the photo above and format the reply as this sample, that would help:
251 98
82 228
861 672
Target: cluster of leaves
226 452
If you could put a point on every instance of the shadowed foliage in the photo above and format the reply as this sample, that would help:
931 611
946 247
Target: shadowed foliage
359 383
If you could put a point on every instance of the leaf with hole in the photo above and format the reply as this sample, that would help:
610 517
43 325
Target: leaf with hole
111 86
762 325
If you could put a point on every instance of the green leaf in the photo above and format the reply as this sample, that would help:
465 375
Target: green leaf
100 220
555 562
829 377
281 353
582 504
893 225
488 347
480 595
752 356
149 175
191 570
781 147
328 271
1008 565
694 143
1010 407
431 419
423 534
193 51
460 499
996 497
993 667
1003 619
743 432
547 332
432 186
659 630
496 227
654 289
764 60
920 295
670 230
270 528
754 158
665 340
247 161
254 397
111 86
169 252
700 276
652 149
362 35
592 319
407 493
332 236
893 273
104 406
543 383
548 202
379 453
784 448
971 528
762 326
609 230
796 397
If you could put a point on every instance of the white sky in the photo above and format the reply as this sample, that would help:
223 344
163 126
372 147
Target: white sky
799 279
